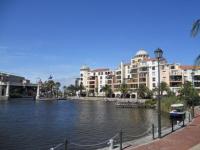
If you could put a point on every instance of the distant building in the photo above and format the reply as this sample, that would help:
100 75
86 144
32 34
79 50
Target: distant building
142 70
15 86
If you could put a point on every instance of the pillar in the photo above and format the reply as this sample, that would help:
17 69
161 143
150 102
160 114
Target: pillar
0 90
38 92
7 90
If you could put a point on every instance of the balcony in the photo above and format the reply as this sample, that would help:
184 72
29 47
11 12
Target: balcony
116 86
176 72
91 86
109 82
196 77
197 84
92 82
176 78
118 73
142 79
109 77
143 69
118 77
134 71
175 84
91 78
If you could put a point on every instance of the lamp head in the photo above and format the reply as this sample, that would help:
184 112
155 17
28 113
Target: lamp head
158 53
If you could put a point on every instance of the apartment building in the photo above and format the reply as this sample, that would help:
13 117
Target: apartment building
141 70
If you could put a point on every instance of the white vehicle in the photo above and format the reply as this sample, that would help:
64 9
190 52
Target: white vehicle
177 111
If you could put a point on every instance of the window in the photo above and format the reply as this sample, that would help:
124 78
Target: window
172 67
153 68
154 79
154 85
81 74
100 77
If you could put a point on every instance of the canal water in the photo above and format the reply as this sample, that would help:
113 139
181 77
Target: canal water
40 125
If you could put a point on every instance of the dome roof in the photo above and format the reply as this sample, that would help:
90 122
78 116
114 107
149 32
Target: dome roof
141 52
84 67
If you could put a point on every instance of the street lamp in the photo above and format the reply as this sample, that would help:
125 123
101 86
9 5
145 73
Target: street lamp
158 54
192 74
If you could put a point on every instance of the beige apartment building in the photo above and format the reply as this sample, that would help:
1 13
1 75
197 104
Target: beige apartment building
141 70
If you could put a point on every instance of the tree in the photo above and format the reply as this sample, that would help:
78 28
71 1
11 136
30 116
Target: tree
64 90
81 88
195 30
189 94
123 89
57 87
71 90
107 90
144 92
50 86
164 88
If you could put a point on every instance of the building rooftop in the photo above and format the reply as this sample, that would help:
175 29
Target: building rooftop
100 70
84 67
142 52
189 67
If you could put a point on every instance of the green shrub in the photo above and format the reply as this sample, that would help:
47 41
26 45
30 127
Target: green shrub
166 103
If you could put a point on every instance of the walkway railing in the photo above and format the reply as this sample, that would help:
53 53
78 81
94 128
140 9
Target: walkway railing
119 137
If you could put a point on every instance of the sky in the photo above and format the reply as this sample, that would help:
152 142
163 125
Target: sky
39 38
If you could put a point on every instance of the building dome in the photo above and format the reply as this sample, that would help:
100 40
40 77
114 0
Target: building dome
84 67
142 53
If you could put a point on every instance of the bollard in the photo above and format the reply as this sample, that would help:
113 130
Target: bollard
189 117
66 144
120 139
172 125
111 142
153 136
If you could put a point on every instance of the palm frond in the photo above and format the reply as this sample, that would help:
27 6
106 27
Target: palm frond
195 28
197 61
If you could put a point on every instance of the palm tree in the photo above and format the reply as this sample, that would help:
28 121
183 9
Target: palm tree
57 86
195 30
71 90
144 92
107 90
64 90
164 88
123 89
50 86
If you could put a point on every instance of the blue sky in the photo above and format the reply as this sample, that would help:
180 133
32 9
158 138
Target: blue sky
43 37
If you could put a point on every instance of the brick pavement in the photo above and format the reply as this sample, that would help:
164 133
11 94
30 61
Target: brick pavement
184 139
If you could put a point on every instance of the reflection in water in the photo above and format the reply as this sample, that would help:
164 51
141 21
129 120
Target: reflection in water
26 124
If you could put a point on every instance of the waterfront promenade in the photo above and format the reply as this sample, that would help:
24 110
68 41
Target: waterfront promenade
187 138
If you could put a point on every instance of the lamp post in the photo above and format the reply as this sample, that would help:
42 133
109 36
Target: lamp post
192 74
158 54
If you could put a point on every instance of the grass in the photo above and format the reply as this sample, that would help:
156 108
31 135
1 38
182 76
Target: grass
166 103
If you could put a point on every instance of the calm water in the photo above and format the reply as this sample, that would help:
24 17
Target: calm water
30 125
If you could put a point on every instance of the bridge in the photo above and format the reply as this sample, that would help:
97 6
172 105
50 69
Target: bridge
5 88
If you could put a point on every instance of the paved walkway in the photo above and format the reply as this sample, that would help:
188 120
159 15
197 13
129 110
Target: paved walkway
187 138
